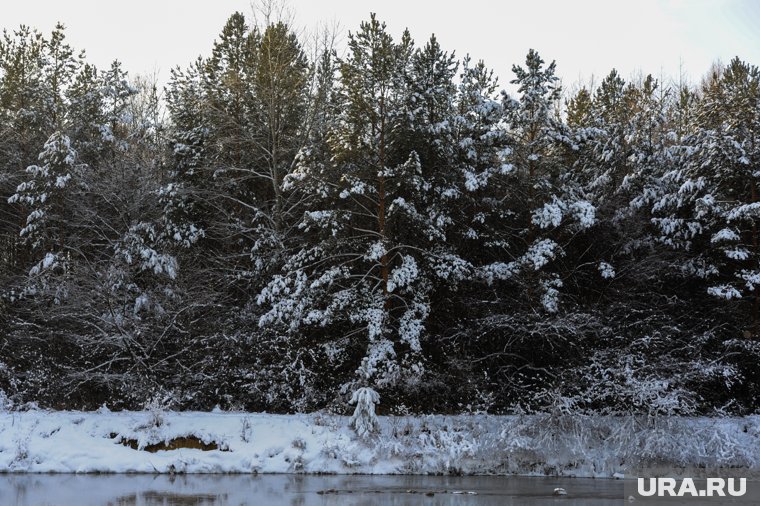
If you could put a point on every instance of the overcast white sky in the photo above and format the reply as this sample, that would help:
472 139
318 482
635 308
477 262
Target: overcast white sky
586 37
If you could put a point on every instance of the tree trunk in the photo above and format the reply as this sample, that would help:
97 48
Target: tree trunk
756 296
381 203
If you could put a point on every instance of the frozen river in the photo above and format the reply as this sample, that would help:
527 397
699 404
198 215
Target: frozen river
295 490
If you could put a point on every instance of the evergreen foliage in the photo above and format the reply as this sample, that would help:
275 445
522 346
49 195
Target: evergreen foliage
286 232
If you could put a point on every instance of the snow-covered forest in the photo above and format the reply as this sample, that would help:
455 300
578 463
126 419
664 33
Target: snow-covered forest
288 227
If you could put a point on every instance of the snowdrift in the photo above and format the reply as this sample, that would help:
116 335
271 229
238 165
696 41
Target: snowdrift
219 442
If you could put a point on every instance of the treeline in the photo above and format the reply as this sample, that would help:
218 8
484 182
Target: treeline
290 225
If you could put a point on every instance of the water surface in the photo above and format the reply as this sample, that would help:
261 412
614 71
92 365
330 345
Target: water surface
290 490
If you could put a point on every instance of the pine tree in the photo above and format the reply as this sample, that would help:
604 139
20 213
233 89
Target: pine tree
60 67
46 193
34 75
364 272
548 208
579 110
710 208
248 103
481 148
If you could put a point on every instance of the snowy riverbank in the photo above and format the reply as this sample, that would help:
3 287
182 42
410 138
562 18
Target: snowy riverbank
218 442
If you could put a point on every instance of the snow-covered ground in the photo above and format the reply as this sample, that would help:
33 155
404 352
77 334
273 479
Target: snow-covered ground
83 442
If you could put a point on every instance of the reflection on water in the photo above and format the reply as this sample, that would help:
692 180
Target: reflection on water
291 490
169 498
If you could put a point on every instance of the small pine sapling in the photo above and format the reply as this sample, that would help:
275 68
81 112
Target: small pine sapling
364 420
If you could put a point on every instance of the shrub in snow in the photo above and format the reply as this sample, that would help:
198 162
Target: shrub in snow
22 450
245 429
6 404
364 420
156 408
